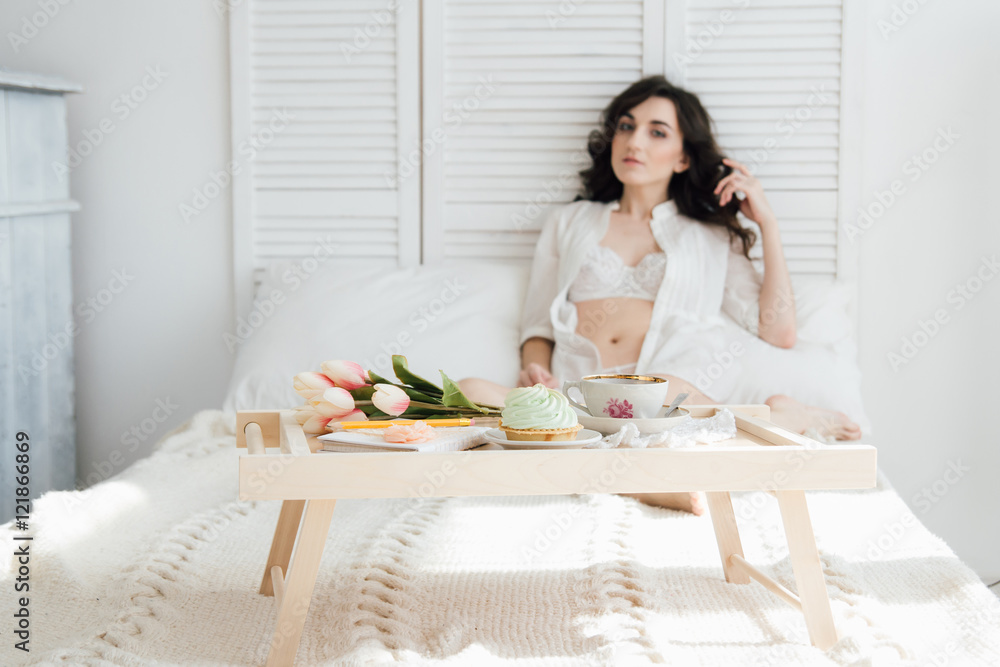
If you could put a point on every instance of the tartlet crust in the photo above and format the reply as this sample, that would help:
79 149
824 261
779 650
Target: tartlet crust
541 434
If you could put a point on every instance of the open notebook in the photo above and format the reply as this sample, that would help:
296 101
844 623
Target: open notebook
450 439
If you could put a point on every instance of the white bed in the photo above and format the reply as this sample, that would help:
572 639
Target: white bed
160 564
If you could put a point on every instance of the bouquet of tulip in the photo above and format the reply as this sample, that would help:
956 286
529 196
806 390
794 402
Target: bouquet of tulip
343 391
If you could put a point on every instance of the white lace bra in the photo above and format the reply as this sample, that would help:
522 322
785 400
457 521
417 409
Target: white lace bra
604 275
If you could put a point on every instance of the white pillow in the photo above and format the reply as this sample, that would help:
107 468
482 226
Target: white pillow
821 369
365 314
460 318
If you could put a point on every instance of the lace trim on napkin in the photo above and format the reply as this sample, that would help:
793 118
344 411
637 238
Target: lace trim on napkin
688 433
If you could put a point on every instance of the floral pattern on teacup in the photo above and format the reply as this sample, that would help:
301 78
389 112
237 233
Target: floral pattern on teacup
618 410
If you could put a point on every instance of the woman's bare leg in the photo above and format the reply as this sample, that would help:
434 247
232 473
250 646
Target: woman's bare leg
483 391
785 411
798 417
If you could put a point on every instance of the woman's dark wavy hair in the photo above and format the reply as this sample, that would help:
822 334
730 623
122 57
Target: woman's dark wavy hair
691 190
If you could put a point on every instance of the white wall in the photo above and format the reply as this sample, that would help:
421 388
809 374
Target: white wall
161 338
941 69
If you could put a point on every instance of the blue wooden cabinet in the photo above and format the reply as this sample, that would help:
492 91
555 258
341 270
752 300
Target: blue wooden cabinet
37 329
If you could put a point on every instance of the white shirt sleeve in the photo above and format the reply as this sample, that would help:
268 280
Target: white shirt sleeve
543 284
741 296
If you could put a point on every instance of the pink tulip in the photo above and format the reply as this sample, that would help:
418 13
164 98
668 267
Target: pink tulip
356 416
312 421
346 374
335 402
316 425
310 385
390 399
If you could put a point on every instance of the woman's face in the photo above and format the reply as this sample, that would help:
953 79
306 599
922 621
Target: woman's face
647 147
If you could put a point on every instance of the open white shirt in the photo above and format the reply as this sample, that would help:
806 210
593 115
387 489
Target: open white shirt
706 275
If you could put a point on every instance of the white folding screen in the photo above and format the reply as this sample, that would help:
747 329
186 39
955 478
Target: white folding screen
769 72
514 89
436 130
325 109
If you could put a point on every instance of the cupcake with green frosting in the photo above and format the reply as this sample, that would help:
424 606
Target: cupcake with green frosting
538 413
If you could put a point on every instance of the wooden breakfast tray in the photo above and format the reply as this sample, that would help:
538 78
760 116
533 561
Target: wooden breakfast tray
762 456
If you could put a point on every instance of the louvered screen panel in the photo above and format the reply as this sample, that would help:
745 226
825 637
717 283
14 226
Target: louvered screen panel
770 77
347 70
552 67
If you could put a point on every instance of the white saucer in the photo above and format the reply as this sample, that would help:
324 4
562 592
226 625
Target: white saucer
608 425
583 437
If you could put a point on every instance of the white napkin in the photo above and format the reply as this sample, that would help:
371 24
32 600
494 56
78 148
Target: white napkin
688 433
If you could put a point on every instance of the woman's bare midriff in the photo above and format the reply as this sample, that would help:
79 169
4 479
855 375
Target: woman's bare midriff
617 326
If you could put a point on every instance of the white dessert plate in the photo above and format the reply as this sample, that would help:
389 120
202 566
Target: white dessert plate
608 425
583 437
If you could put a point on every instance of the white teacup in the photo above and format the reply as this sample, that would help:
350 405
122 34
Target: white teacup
620 396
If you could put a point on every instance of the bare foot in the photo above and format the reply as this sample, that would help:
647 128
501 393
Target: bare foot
798 417
693 502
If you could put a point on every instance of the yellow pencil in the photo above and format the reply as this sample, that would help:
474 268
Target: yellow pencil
403 422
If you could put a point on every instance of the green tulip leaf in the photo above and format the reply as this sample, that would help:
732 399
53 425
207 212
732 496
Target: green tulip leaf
453 396
419 396
404 375
378 379
362 393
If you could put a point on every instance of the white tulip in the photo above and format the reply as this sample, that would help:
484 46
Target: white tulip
390 399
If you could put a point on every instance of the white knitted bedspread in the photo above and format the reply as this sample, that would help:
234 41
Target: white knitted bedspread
160 565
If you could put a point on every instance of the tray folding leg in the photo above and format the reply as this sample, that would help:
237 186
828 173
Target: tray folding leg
293 592
284 540
812 599
807 568
727 534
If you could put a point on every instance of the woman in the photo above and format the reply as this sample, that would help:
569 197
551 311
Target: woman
634 276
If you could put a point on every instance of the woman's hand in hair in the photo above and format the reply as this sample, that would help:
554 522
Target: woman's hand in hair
754 205
776 301
533 373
